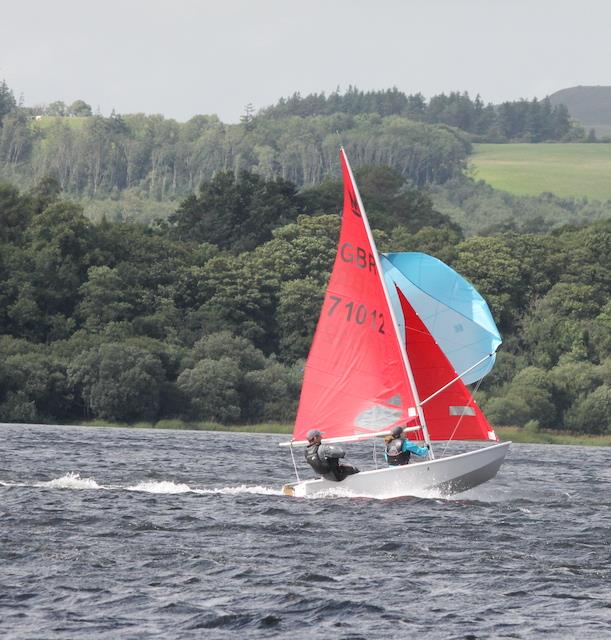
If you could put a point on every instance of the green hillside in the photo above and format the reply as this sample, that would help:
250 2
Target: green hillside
567 170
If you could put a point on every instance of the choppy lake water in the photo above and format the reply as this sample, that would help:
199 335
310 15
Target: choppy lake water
119 533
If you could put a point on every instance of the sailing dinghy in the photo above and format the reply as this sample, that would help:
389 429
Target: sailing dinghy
397 339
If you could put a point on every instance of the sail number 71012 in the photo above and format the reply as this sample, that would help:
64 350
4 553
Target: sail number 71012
360 314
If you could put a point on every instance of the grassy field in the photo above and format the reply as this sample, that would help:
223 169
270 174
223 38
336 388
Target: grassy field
517 434
567 170
46 122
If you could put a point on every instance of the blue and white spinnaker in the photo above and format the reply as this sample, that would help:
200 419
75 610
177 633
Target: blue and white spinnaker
453 311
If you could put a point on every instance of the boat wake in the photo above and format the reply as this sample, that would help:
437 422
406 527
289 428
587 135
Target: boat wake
258 489
165 486
74 481
70 481
160 486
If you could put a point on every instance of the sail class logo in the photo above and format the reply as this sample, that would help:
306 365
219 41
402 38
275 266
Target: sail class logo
354 204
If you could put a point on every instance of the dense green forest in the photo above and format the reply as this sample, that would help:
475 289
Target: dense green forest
209 314
151 269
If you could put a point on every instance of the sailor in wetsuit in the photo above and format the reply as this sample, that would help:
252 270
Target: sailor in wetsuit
399 448
324 459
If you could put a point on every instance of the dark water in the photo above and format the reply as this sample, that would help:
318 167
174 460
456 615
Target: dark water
122 533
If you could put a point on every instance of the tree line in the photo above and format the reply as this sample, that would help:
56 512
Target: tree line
141 166
156 158
512 121
208 315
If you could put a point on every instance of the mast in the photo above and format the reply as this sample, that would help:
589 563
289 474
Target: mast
404 357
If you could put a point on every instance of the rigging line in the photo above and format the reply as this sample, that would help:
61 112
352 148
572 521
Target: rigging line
458 377
294 463
424 333
462 415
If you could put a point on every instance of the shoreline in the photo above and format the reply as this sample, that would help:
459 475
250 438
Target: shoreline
515 434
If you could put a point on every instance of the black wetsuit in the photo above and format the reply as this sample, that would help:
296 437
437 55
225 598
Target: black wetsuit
328 468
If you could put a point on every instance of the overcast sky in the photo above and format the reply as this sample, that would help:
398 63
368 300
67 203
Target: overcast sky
186 57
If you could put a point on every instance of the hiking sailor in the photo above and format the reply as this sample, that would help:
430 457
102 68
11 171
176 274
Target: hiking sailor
324 458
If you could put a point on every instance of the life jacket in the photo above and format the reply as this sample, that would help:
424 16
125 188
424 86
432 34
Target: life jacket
394 455
319 465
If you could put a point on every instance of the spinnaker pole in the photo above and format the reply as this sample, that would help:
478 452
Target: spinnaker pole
457 378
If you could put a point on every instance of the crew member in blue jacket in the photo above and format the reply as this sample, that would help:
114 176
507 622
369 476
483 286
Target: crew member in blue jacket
399 448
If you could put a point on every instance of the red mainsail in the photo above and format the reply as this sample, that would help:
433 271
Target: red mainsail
355 379
452 414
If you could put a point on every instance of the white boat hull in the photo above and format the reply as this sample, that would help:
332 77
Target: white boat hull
444 476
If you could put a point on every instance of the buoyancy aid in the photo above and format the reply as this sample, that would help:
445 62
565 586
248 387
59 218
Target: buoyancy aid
320 465
395 454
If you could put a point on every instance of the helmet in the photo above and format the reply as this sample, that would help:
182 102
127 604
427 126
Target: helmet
397 432
312 433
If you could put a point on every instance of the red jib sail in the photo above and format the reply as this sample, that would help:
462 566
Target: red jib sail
452 414
355 379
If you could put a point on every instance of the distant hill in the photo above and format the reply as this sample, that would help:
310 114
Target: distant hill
590 105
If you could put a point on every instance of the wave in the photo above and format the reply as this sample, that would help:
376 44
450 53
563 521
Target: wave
73 480
70 480
160 486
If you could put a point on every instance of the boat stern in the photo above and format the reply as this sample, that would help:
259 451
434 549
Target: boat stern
288 490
